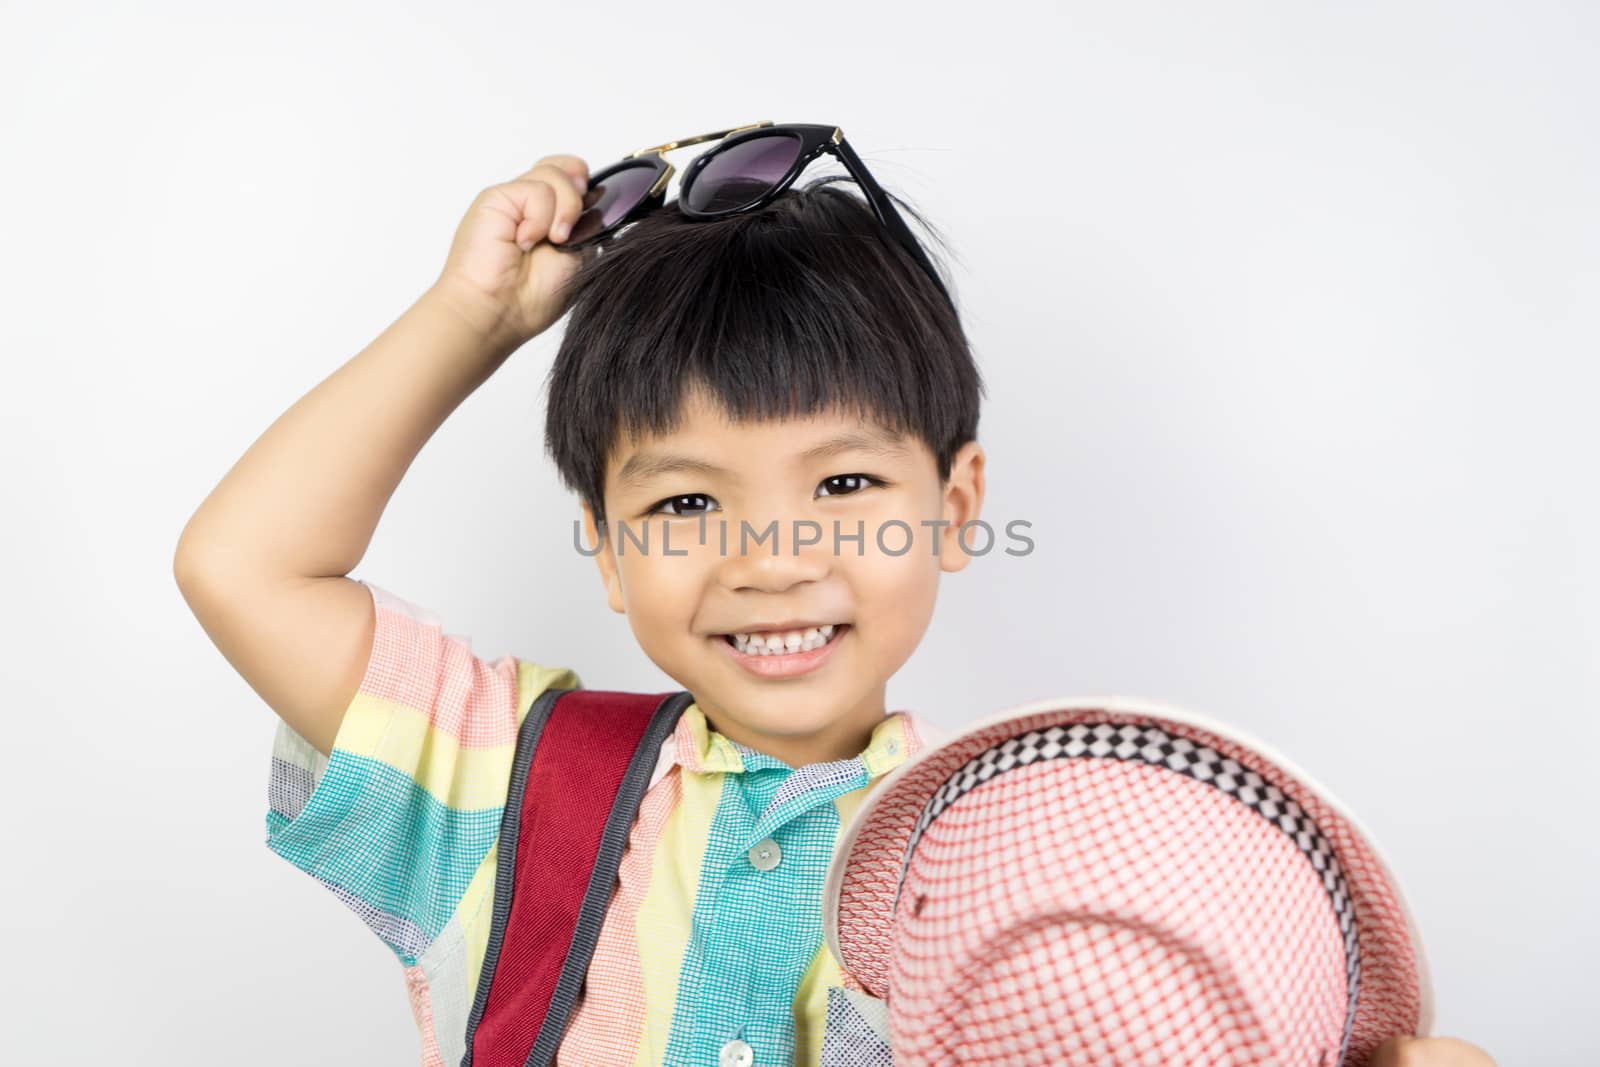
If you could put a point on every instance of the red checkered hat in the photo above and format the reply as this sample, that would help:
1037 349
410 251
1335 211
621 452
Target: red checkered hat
1107 880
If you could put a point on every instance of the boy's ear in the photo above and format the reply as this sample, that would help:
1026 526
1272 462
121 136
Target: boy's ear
605 560
963 501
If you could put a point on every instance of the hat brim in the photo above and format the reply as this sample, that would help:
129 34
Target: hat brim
1395 994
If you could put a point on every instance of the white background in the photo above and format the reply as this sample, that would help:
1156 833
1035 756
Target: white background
1288 315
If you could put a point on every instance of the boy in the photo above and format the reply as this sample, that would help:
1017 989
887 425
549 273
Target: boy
776 368
843 395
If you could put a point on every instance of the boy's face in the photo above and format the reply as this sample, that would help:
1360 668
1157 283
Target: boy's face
683 598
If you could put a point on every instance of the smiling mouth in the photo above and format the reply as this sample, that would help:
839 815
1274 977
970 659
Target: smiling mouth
788 643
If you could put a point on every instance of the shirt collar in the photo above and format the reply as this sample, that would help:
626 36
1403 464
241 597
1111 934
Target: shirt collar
702 750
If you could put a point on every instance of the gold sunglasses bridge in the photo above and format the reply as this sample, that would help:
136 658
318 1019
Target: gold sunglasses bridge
718 135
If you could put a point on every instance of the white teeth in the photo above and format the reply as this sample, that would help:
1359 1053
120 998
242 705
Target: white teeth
781 643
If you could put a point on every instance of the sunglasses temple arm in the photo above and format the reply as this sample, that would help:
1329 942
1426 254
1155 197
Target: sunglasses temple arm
887 214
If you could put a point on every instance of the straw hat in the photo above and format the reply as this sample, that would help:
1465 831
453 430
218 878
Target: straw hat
1108 880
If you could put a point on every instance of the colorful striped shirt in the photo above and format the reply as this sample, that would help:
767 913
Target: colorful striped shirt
714 930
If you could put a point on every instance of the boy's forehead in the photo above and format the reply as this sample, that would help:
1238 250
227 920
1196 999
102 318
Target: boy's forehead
706 430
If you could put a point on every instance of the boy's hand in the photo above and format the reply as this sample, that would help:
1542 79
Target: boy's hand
504 271
1429 1052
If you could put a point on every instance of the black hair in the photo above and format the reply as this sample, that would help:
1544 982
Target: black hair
804 306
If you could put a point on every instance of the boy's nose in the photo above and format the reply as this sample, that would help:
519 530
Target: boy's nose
772 559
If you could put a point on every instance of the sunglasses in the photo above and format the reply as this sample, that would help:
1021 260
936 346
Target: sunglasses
751 166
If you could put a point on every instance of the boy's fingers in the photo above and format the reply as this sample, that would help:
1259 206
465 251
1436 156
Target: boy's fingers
572 166
530 204
1429 1052
568 200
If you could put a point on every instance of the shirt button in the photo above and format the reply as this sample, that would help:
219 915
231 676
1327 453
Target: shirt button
736 1054
764 857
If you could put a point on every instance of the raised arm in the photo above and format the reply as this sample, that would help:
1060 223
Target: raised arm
263 561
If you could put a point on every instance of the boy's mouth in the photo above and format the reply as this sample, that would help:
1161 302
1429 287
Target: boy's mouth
785 642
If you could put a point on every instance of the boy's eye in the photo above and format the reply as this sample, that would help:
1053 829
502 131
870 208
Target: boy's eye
678 502
845 484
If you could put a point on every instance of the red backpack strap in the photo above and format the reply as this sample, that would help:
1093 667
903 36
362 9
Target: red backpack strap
583 761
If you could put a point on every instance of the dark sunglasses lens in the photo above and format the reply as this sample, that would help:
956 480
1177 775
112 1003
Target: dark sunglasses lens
608 202
741 174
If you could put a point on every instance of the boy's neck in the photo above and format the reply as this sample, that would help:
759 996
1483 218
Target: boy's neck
844 737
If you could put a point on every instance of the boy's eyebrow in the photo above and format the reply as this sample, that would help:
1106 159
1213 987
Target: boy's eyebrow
642 466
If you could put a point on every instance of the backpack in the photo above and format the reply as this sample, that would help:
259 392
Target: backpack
582 763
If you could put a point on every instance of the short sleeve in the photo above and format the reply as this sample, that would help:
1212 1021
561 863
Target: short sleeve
399 818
